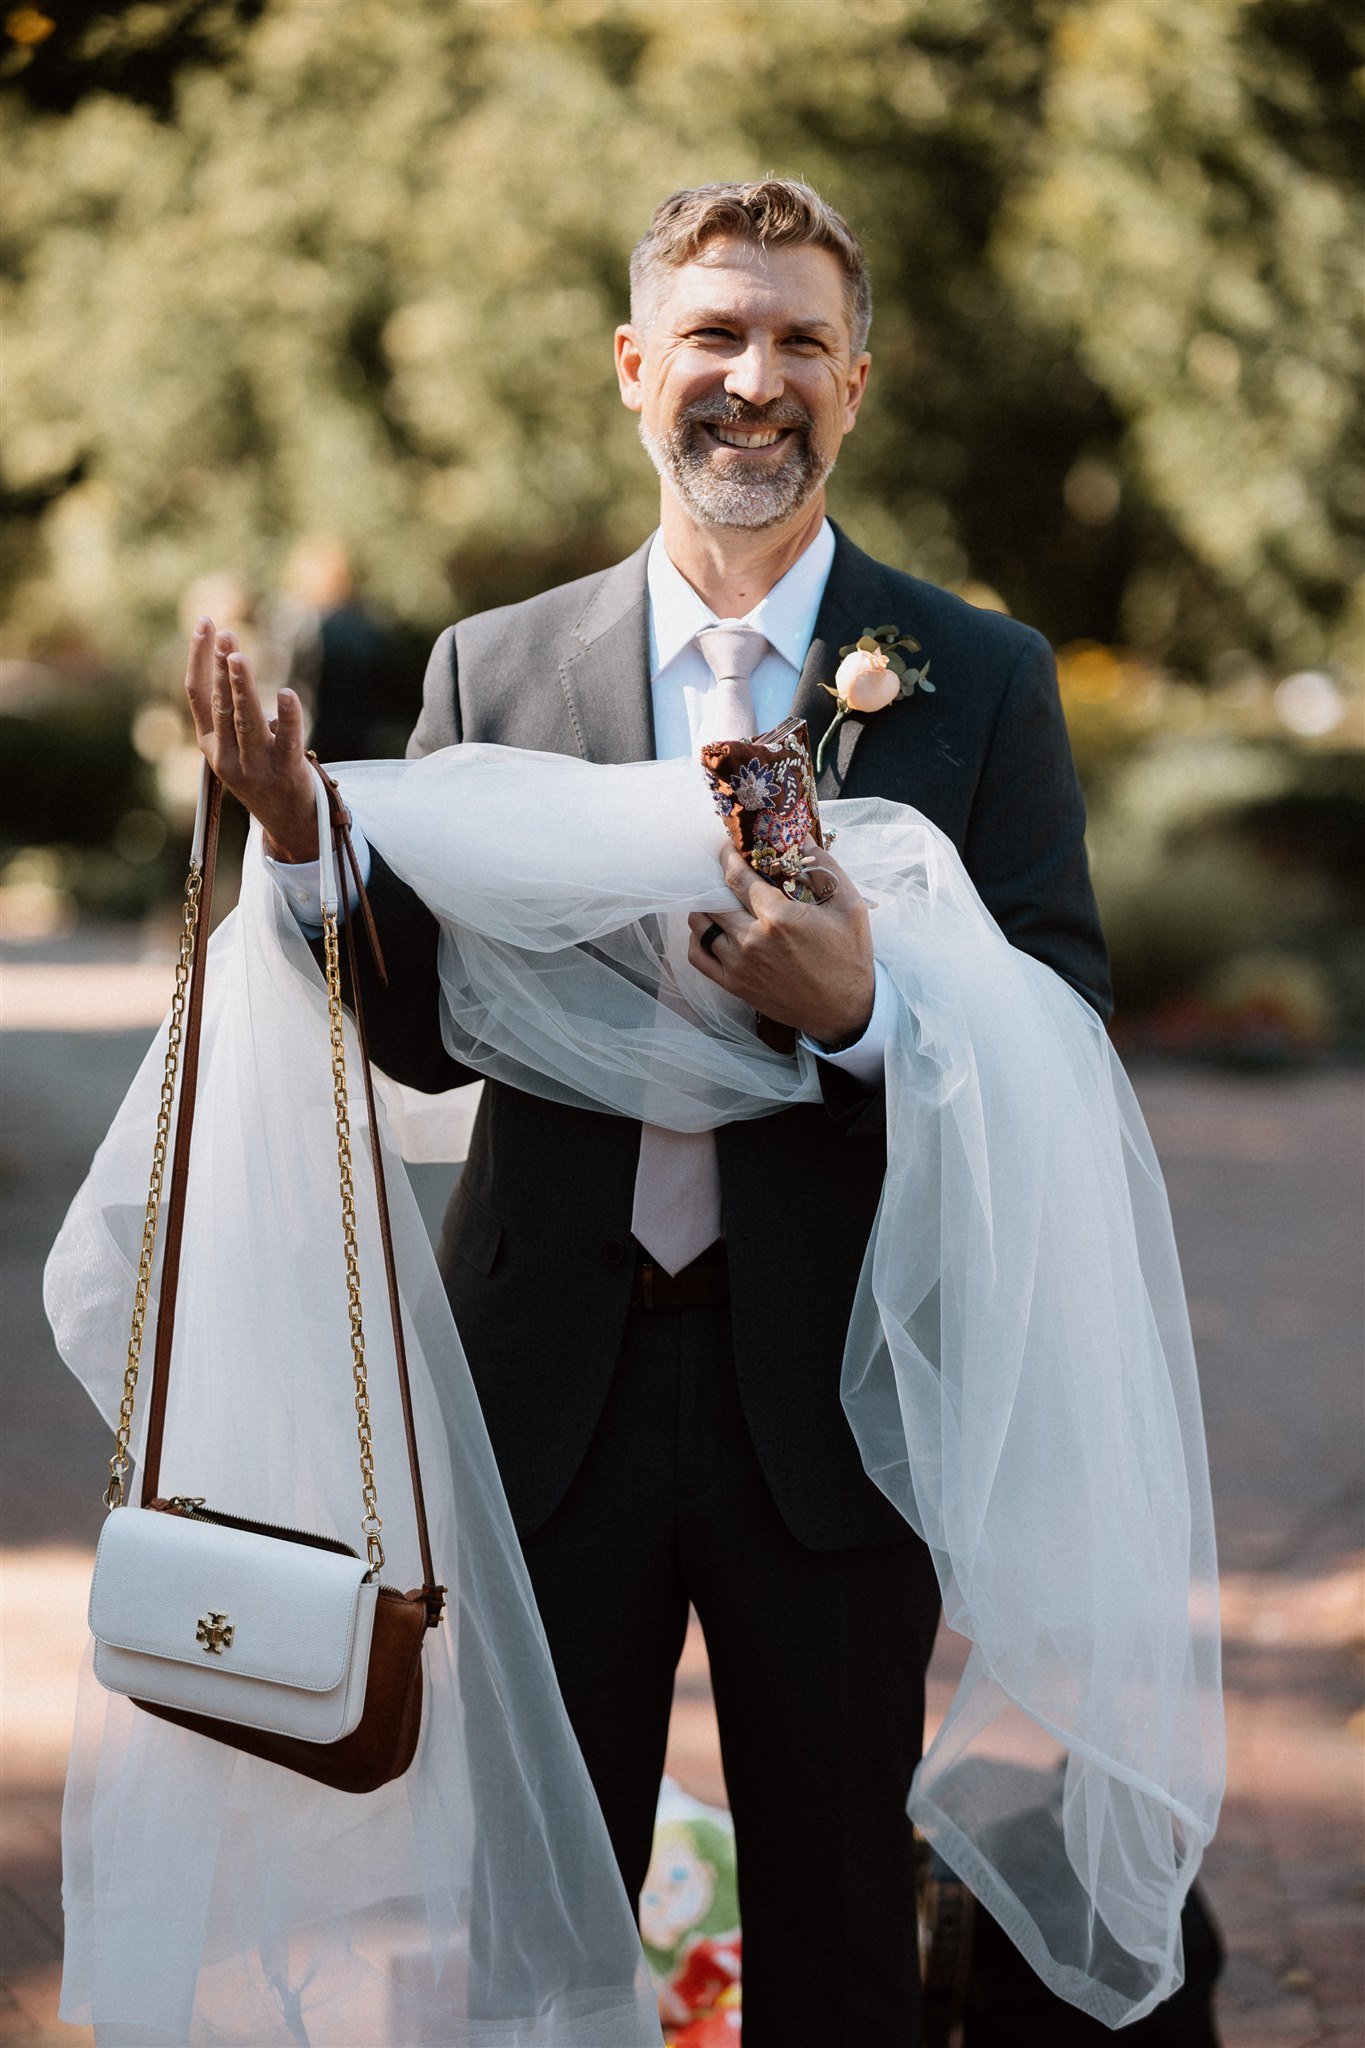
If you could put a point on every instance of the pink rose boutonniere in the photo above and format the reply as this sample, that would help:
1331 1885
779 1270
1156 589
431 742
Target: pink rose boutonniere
872 674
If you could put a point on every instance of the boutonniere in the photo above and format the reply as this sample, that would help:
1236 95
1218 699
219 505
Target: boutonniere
872 673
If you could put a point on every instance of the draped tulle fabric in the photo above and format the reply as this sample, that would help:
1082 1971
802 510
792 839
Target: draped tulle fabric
1018 1376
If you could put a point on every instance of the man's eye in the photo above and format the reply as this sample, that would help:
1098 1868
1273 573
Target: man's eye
806 341
712 334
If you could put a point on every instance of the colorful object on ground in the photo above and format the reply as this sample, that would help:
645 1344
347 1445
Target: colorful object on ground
719 2029
689 1922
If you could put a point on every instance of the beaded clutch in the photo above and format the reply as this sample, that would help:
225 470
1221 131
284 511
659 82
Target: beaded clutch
764 788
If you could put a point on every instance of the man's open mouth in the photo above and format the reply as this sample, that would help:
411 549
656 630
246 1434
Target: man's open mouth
745 437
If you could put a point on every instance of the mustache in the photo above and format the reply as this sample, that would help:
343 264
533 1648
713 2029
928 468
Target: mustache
724 411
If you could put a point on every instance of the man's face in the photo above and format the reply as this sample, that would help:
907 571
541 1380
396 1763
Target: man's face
745 380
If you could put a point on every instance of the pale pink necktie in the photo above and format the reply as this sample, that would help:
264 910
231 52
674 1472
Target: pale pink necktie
677 1182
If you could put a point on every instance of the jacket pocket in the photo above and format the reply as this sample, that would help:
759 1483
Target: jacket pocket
470 1233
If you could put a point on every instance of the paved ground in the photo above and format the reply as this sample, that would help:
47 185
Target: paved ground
1265 1178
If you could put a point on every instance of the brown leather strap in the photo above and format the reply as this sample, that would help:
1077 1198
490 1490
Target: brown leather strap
341 827
180 1156
432 1594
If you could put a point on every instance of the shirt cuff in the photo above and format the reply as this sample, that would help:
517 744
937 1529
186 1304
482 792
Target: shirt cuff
865 1059
300 884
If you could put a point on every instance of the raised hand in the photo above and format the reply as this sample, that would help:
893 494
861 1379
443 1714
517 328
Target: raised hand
261 760
809 965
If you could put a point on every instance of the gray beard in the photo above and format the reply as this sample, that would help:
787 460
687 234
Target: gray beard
715 499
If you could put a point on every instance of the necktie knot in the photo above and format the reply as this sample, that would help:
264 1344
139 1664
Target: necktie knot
732 654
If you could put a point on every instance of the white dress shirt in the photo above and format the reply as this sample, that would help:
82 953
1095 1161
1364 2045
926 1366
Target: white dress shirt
679 684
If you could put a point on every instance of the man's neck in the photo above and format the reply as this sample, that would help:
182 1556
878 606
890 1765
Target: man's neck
732 567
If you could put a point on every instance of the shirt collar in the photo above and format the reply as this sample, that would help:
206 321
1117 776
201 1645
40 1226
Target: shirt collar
786 615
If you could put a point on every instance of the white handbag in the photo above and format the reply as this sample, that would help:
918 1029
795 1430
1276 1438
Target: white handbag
277 1641
233 1624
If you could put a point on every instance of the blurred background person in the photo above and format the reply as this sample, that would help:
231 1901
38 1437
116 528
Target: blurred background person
342 661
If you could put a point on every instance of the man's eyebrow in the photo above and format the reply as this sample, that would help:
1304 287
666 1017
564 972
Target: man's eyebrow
708 317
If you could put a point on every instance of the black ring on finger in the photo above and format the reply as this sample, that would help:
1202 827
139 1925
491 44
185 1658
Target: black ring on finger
710 935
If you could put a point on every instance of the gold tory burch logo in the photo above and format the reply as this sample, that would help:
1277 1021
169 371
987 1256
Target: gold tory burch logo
215 1633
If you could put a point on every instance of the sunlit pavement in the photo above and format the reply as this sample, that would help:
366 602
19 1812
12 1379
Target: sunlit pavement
1265 1179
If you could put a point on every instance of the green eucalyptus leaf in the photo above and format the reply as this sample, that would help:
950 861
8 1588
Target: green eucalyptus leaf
867 645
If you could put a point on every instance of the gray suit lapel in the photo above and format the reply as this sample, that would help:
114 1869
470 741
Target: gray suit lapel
605 674
855 597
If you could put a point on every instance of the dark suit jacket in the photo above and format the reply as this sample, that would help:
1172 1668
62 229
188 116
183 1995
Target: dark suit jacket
536 1250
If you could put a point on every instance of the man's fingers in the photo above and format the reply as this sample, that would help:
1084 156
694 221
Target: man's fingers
224 730
757 895
731 922
287 726
248 717
821 880
703 961
199 678
827 868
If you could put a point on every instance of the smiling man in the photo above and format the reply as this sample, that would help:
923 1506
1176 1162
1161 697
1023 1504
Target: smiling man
655 1323
791 332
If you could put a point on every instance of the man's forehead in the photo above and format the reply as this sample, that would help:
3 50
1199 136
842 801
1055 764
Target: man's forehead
802 280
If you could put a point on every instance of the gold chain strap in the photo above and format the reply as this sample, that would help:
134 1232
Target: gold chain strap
370 1522
118 1464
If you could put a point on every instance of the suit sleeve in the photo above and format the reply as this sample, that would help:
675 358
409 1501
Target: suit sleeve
1025 843
438 723
403 1020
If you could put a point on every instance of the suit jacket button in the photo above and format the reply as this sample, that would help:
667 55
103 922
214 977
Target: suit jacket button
614 1251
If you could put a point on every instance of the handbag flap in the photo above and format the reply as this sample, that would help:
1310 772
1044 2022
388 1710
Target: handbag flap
195 1592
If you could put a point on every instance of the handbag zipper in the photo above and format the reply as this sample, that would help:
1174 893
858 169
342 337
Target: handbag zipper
191 1506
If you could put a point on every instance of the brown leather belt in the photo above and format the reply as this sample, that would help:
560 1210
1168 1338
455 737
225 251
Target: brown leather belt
703 1284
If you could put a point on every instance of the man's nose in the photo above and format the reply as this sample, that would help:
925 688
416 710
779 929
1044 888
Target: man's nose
755 375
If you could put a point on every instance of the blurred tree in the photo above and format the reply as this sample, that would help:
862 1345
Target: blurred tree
55 60
362 279
1194 228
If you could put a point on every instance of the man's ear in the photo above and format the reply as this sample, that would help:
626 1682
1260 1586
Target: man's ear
855 390
629 346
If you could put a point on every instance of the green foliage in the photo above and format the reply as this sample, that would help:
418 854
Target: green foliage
56 60
1195 232
356 268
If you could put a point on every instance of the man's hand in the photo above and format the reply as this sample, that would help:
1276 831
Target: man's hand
804 964
261 760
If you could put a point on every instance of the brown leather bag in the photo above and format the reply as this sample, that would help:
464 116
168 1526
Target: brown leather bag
382 1746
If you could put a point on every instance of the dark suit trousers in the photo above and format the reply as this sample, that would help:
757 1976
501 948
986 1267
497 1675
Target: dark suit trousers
817 1663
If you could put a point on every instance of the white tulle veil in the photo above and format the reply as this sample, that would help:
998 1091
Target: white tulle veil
1018 1376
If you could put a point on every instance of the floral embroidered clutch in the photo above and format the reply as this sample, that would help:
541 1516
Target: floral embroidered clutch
764 788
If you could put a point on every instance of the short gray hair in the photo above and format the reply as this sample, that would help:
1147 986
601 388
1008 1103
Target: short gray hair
774 212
